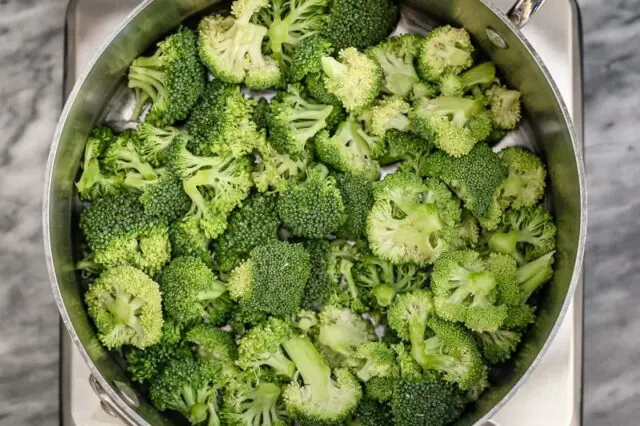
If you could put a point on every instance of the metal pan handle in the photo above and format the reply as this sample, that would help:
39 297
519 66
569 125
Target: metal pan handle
522 12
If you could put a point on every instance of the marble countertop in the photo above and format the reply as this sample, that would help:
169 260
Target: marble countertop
31 58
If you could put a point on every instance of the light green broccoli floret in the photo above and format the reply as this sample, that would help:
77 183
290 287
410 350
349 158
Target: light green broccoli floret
457 85
122 156
407 148
498 346
95 182
468 233
250 402
262 347
388 114
342 330
376 359
396 57
153 141
505 107
445 50
275 172
526 175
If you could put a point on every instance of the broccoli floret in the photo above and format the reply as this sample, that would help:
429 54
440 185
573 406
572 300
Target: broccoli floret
231 47
372 413
307 58
409 368
94 182
476 178
350 150
313 208
375 360
388 114
405 147
505 107
322 282
519 317
314 82
248 403
122 157
221 122
526 177
305 321
498 346
343 256
357 196
191 292
396 57
216 346
423 89
294 120
453 124
171 80
324 396
125 306
262 347
411 220
261 113
166 199
380 388
274 172
273 279
533 275
342 330
360 23
426 401
445 50
525 234
189 387
466 288
408 315
118 231
187 239
153 141
478 76
468 233
354 78
290 22
252 224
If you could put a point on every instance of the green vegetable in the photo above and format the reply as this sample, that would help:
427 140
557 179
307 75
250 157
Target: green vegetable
246 403
342 330
262 347
396 57
444 50
307 57
95 182
526 177
357 197
505 107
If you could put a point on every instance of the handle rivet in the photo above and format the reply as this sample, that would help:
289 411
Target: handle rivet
496 39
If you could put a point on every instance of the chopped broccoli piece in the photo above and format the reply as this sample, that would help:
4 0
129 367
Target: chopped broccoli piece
171 80
476 178
357 196
313 208
165 199
324 396
360 23
411 221
388 114
95 182
408 315
125 306
293 120
306 321
191 292
187 239
423 90
248 403
314 82
525 181
322 281
406 147
457 85
262 347
498 346
372 413
396 57
307 58
533 275
505 107
445 50
354 78
216 346
231 47
122 157
468 233
342 330
376 360
261 113
380 388
274 172
343 256
153 141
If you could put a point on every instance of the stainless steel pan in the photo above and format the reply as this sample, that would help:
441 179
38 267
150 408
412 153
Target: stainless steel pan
100 94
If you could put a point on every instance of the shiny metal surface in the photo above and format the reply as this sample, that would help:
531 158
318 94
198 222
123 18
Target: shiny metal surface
548 129
522 12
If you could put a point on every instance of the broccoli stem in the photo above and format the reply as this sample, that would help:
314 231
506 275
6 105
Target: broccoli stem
281 364
417 326
366 372
312 367
481 74
332 68
384 294
504 242
533 275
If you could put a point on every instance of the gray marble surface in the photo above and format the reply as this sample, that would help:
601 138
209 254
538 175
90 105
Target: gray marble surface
31 58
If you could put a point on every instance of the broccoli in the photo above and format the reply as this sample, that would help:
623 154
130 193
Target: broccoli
231 47
293 120
290 22
424 89
405 147
305 321
248 403
411 220
525 181
388 114
499 345
125 306
354 78
342 330
322 281
95 182
191 292
324 396
307 57
343 256
505 107
122 157
171 80
262 347
273 279
444 50
165 199
254 223
314 82
261 113
221 122
426 401
350 150
118 231
396 57
189 387
468 233
371 413
531 276
313 208
216 346
380 388
360 23
519 317
476 178
453 124
153 141
478 76
407 316
525 234
187 239
466 288
274 172
375 360
357 197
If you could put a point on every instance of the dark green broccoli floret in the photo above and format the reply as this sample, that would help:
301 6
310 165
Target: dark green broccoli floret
166 199
275 172
525 181
125 306
380 388
191 292
246 402
322 281
216 346
187 239
191 388
307 58
457 85
95 182
342 330
372 413
475 178
498 346
411 221
505 107
396 57
273 279
406 147
262 347
254 223
171 80
313 208
445 50
153 141
354 78
314 82
293 120
320 396
528 278
122 157
360 23
231 47
357 196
